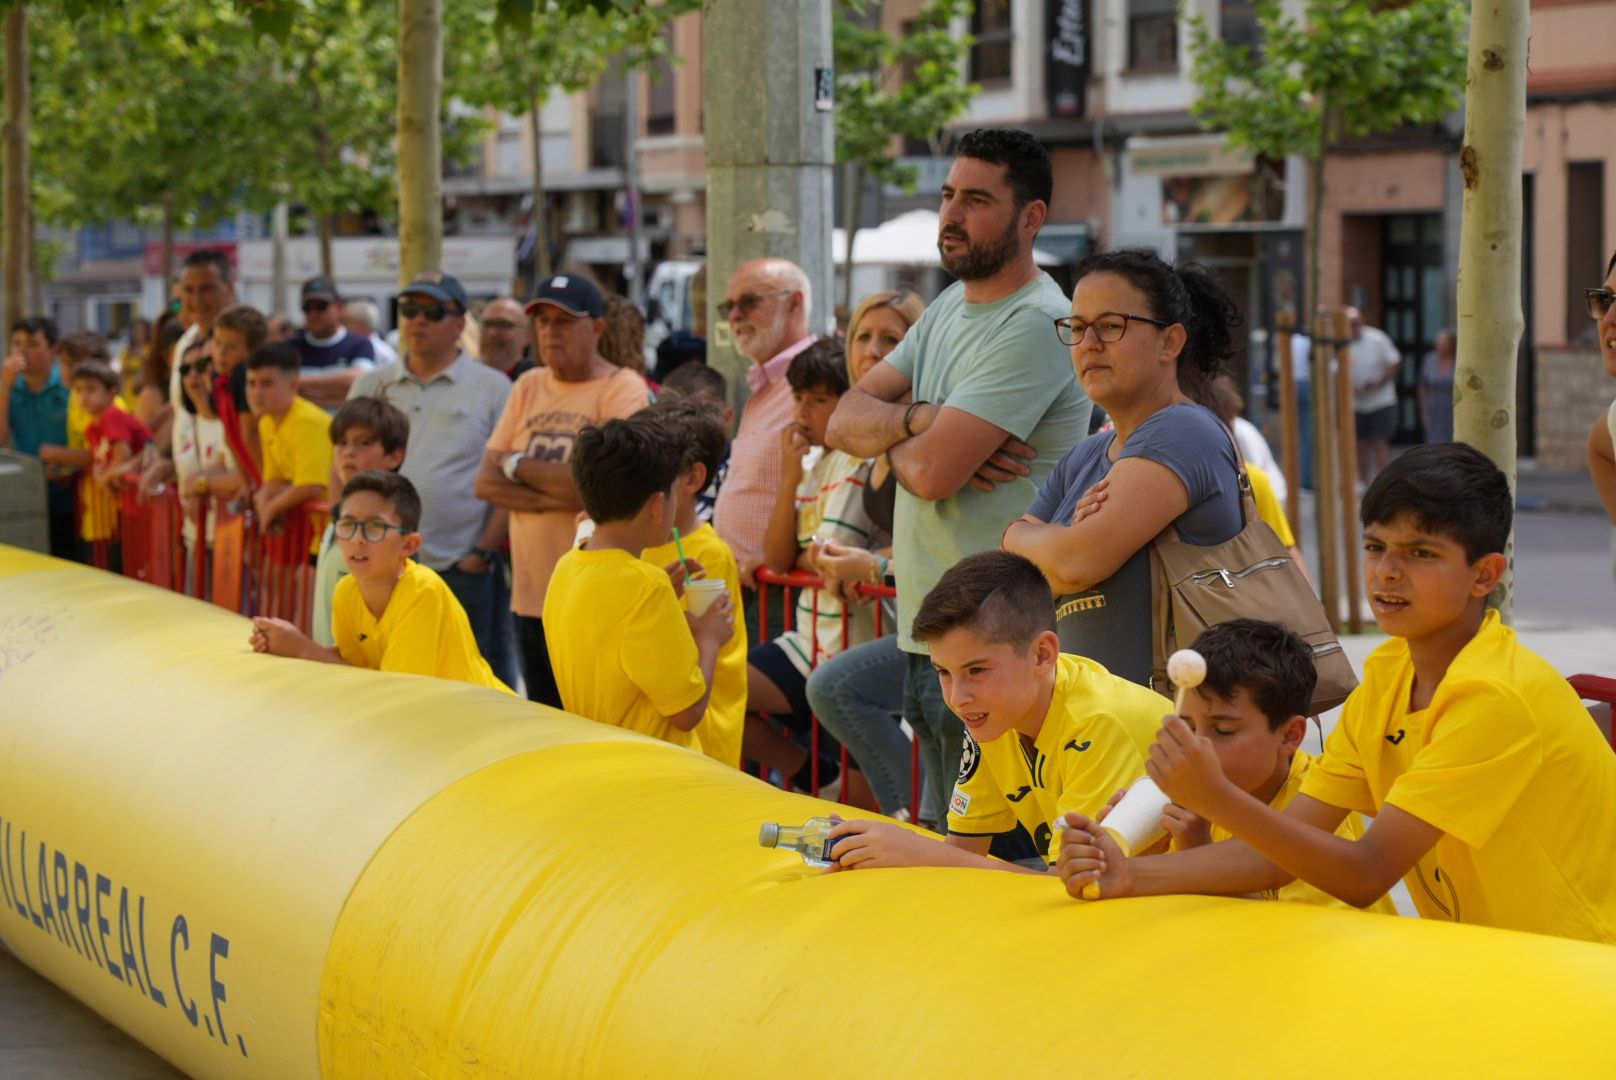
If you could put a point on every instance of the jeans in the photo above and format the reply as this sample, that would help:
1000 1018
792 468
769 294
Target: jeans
536 669
855 694
479 594
939 731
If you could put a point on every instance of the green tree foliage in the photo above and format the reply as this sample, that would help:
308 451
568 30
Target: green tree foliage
1348 69
513 56
889 88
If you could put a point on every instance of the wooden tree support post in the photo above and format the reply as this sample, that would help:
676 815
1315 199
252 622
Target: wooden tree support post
1346 422
1324 471
1290 428
15 199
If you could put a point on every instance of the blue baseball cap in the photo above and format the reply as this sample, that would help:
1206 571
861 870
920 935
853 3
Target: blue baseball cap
439 286
573 294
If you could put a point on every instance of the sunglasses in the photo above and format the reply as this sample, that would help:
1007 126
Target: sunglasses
747 301
498 324
429 312
196 367
1599 301
314 306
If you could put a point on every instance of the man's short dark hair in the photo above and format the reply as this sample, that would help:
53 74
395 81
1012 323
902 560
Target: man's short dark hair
82 345
696 427
37 324
247 321
1265 659
1026 162
96 371
382 419
821 366
1450 489
210 257
1000 597
276 354
395 488
619 465
695 379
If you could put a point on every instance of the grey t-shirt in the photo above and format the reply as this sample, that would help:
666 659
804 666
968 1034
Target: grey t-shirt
451 418
1000 362
1110 623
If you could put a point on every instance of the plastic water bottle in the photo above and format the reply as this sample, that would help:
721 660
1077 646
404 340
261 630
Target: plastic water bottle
811 839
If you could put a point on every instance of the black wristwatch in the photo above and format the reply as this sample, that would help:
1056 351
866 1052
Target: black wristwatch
488 556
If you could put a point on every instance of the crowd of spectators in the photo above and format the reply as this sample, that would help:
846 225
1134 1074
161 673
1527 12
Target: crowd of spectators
511 503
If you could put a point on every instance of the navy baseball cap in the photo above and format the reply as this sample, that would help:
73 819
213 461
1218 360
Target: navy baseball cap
573 294
439 286
319 288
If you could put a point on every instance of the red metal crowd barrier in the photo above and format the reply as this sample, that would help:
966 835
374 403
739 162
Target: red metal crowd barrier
789 584
228 558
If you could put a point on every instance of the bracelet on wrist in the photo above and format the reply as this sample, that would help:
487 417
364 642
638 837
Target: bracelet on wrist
908 419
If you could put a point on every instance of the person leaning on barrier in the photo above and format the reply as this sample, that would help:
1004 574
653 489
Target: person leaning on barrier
1602 439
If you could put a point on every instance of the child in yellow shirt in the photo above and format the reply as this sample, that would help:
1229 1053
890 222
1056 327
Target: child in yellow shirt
1252 708
390 613
1045 733
698 428
1493 793
622 650
295 434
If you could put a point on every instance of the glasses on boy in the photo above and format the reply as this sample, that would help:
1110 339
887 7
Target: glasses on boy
375 531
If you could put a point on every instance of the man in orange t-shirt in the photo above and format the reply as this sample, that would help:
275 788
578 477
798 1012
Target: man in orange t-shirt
526 465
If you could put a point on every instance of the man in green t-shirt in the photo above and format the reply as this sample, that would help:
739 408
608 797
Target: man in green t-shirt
995 403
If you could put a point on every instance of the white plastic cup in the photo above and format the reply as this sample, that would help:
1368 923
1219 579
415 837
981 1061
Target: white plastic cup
1136 820
701 592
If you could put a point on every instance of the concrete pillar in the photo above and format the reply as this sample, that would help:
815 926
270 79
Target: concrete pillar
770 153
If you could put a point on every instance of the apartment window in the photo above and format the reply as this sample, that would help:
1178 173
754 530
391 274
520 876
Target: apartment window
660 117
1152 34
990 55
1238 22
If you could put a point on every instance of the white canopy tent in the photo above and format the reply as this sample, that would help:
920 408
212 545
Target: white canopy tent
909 239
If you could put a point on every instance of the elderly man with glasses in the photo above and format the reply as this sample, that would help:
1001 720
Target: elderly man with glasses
453 403
767 307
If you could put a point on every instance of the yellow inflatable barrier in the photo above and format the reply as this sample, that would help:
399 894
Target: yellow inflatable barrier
271 868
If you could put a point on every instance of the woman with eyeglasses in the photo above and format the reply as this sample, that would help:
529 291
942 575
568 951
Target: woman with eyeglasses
1142 333
1602 440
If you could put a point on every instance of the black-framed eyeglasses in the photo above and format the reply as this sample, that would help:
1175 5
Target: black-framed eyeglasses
1599 301
499 324
375 531
746 302
1109 326
429 312
312 306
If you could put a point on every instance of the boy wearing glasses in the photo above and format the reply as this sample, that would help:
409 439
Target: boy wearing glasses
366 433
391 613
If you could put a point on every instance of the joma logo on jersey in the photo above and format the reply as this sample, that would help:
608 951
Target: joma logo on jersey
1019 794
1078 746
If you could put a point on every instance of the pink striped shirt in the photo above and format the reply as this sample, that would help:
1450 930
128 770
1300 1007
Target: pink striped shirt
756 469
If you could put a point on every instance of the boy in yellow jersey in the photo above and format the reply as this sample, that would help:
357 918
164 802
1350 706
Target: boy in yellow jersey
622 650
1045 733
390 613
697 427
295 434
1493 793
115 440
1252 709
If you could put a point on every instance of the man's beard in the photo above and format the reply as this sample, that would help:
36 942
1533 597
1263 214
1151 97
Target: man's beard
978 261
